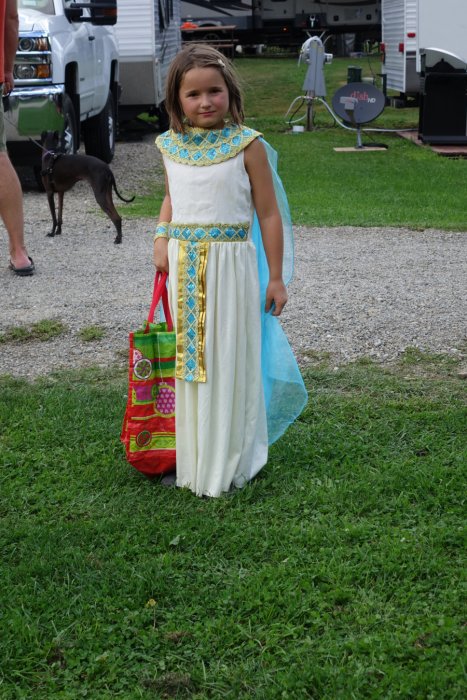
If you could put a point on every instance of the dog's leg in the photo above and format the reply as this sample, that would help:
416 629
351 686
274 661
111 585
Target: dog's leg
103 197
51 201
60 213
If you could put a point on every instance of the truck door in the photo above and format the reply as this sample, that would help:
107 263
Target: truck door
101 67
84 43
87 78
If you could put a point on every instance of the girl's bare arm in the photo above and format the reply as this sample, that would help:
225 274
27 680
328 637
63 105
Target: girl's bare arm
161 257
264 199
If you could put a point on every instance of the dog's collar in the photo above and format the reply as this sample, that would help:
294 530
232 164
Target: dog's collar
49 170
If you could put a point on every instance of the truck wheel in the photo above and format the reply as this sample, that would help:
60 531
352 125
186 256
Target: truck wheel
99 133
69 136
37 170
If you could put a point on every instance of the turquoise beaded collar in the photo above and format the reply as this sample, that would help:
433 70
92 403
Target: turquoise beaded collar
204 146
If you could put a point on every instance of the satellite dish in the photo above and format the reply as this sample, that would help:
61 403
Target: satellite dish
368 102
357 104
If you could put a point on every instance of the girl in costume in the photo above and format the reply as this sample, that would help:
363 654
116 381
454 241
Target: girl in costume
221 238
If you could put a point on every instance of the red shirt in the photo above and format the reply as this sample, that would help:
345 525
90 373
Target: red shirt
2 39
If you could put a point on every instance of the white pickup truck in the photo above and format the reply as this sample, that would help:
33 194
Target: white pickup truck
66 78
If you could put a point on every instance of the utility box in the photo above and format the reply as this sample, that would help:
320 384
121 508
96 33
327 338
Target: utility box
354 74
443 98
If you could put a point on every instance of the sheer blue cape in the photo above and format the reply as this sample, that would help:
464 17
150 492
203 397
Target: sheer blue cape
284 390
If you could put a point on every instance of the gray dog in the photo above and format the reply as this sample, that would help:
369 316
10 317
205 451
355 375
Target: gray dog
60 172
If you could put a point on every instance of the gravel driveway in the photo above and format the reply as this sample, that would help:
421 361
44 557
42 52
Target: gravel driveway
356 292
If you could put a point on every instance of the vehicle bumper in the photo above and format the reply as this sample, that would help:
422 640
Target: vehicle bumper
32 110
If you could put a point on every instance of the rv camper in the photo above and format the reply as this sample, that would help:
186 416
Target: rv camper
285 21
409 27
148 35
331 15
208 13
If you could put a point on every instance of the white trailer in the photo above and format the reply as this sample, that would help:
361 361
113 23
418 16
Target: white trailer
148 35
411 26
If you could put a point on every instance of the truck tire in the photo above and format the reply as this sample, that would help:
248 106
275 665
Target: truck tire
69 136
37 170
99 133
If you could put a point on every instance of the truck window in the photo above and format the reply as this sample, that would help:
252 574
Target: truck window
44 6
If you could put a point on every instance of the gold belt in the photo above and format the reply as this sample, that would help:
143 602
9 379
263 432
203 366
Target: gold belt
191 313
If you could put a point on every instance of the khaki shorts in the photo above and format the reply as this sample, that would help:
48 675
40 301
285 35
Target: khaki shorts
2 123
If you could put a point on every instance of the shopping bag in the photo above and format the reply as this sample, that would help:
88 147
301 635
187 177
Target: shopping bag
148 431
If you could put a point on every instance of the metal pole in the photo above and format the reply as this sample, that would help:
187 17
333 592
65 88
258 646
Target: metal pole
309 114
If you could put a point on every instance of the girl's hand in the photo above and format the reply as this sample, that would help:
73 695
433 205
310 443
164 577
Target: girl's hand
161 255
276 294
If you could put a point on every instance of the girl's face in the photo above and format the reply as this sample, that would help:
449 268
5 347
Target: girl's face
204 97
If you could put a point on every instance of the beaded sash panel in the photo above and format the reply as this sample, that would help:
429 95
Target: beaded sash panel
195 241
216 233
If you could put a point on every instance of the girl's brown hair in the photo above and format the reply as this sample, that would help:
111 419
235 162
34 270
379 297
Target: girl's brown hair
200 56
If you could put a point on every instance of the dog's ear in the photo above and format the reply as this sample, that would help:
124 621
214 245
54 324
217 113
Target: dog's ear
56 135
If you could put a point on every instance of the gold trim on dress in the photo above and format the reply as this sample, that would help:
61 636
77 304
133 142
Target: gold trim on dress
192 261
181 331
203 261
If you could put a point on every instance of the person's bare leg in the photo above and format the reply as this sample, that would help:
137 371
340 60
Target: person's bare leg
11 211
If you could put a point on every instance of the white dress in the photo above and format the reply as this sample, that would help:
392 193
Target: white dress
221 426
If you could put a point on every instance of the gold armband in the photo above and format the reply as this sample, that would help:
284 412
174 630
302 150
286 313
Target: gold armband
162 230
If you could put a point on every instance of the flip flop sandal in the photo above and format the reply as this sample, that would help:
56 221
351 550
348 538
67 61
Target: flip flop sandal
23 271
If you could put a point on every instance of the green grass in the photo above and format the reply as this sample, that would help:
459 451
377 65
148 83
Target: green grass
405 185
335 574
90 333
42 330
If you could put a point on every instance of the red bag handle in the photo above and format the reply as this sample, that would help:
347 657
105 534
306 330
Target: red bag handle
160 292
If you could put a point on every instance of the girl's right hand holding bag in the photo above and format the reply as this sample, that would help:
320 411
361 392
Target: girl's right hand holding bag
161 254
